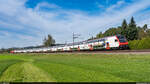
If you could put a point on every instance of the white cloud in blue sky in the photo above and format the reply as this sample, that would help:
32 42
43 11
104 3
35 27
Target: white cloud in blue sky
27 22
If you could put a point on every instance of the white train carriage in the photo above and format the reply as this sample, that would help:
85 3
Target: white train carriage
17 51
54 49
44 50
31 50
84 46
96 44
24 51
60 48
66 48
70 46
76 47
36 50
27 50
20 51
111 42
49 49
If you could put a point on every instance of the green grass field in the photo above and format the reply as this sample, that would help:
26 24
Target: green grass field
74 68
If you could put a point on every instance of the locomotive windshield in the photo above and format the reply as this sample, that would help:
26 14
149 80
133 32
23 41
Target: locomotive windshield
122 38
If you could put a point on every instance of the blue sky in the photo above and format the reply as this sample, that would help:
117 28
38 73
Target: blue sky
27 22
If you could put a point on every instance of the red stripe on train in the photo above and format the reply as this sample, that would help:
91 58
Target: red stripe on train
125 43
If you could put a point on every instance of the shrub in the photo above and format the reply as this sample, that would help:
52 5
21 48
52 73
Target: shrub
140 44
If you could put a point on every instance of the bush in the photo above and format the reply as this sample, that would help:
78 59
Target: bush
140 44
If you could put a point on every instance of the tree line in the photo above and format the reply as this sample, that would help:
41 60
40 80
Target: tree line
131 31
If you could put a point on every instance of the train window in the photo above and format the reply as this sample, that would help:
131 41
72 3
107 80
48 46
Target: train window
102 40
116 40
122 38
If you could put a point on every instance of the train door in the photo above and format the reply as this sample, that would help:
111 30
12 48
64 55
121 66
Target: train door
78 48
107 45
91 47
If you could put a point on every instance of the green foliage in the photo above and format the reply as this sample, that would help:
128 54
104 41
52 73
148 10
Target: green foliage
49 41
144 43
124 27
141 34
100 35
148 32
145 27
109 32
112 31
132 30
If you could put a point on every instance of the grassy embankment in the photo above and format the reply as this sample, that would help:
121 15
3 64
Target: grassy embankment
74 68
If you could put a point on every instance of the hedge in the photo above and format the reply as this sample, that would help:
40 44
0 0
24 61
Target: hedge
140 44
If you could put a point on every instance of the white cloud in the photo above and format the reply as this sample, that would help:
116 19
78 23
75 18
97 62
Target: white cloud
46 5
60 23
4 33
100 5
119 4
11 7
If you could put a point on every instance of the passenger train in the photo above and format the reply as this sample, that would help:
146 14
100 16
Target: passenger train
106 43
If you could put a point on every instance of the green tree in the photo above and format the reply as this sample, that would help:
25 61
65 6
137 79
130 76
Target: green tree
142 32
112 31
148 32
124 28
100 35
145 27
49 41
132 30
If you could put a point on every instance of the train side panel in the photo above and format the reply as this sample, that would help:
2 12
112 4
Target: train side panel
111 42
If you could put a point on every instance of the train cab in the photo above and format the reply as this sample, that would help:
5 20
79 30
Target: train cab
123 43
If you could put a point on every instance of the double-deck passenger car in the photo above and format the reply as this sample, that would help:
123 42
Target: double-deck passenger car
110 42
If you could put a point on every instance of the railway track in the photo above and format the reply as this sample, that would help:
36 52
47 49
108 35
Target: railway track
106 52
147 51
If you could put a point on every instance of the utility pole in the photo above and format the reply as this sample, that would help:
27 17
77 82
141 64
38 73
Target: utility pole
74 36
65 42
73 39
91 36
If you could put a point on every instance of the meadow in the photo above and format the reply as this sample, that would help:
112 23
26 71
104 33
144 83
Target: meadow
74 68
